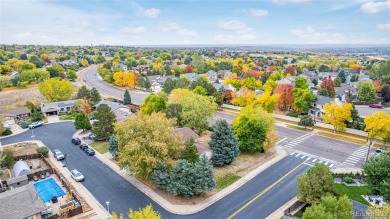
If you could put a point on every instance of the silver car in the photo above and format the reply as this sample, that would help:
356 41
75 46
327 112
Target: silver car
58 154
76 175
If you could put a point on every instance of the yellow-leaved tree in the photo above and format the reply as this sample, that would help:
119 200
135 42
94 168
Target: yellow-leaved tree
244 97
144 213
129 79
267 101
337 115
378 125
146 140
56 90
177 93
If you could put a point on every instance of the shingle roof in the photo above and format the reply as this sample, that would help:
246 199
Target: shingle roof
186 133
20 202
48 107
15 111
322 100
113 106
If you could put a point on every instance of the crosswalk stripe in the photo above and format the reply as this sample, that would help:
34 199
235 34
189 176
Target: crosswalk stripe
349 163
314 160
320 161
303 156
326 163
308 158
292 153
331 165
360 153
354 158
309 164
297 155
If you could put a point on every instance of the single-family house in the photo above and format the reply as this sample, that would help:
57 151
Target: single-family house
54 108
344 90
333 75
157 81
224 74
219 85
316 108
142 68
68 62
212 76
121 111
288 80
121 66
191 76
16 114
186 134
21 202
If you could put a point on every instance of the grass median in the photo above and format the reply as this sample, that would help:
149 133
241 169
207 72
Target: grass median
353 192
100 146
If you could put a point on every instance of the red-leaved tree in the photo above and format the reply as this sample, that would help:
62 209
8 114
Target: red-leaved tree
286 98
227 96
189 69
290 70
328 84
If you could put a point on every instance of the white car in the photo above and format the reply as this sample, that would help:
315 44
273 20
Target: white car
35 124
76 175
6 125
58 154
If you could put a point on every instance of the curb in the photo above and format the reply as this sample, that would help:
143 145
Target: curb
188 209
280 212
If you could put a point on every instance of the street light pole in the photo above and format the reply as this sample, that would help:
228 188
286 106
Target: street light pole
369 147
32 134
108 208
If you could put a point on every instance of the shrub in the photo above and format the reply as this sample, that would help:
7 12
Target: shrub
22 84
293 114
7 132
348 180
44 151
8 159
24 125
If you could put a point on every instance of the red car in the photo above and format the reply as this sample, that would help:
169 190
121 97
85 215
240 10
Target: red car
376 105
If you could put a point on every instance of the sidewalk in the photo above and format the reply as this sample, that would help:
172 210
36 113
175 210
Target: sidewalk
188 209
16 129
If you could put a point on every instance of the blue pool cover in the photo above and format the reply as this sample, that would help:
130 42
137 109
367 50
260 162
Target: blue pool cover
47 189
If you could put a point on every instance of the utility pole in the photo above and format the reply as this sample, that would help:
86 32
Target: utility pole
369 147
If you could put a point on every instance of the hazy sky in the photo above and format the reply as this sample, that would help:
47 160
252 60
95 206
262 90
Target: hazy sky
167 22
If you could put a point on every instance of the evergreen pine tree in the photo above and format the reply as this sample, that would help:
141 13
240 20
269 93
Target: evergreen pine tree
95 96
205 176
190 152
126 98
83 92
182 179
224 144
82 122
160 176
113 146
104 126
36 116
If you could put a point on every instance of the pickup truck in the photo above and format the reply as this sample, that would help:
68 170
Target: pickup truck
35 124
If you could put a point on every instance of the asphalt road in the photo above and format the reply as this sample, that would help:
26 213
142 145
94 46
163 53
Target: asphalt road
90 77
106 185
327 148
366 111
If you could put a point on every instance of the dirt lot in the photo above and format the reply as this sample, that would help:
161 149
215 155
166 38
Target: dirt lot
4 174
18 97
22 149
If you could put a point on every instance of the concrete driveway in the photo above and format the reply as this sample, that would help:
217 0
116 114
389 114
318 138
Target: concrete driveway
53 119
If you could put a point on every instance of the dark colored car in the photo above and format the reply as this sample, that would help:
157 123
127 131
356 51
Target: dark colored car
381 150
76 141
91 117
376 105
83 147
90 152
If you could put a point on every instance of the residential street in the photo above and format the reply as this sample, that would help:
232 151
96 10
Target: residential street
90 77
107 185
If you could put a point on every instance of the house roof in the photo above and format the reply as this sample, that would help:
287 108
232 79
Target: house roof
343 89
222 72
322 100
20 202
122 113
186 133
15 111
191 76
113 105
49 107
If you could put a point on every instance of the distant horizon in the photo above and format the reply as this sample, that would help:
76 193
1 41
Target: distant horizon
189 23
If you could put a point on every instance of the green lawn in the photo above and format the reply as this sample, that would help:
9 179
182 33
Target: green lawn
71 116
226 180
100 146
353 192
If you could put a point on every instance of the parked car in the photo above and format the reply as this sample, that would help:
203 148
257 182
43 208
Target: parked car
35 124
91 117
6 125
376 105
76 175
83 147
58 154
90 151
76 141
381 150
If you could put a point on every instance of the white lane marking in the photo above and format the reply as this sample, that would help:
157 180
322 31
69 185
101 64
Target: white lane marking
331 165
303 156
314 160
281 140
297 155
308 158
309 164
292 153
326 163
320 161
351 164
